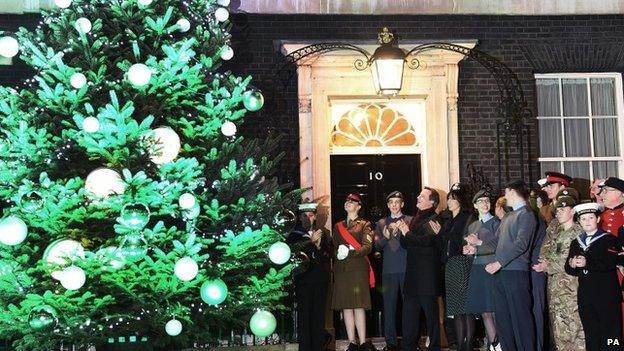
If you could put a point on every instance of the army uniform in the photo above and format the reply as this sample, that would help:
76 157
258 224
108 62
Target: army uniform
562 288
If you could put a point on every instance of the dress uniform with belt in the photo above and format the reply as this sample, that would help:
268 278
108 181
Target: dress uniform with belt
599 293
311 282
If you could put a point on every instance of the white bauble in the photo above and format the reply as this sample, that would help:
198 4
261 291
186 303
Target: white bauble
227 53
222 14
279 253
173 327
167 145
103 182
73 278
63 3
78 80
145 2
13 231
224 3
228 129
91 124
186 269
9 46
63 251
83 25
139 74
184 24
187 201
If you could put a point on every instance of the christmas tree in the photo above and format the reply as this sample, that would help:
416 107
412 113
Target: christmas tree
131 206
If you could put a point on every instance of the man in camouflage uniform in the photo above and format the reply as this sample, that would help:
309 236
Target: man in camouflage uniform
562 288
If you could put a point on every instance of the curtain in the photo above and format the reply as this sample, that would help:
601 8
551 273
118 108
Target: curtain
575 102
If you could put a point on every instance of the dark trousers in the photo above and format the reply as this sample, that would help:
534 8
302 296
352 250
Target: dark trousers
411 321
538 290
514 317
602 324
392 284
311 300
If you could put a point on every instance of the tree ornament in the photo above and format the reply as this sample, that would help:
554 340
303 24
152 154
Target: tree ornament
13 231
228 129
285 220
9 46
139 74
134 247
187 201
91 124
83 25
279 253
145 2
227 52
42 318
222 14
173 327
166 147
135 216
253 100
213 292
63 3
262 323
186 269
104 182
184 24
31 201
78 80
62 252
224 3
73 278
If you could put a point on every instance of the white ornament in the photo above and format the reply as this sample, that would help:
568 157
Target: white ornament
227 53
63 251
83 25
167 145
139 74
8 46
187 201
279 253
63 3
228 129
173 327
222 14
78 80
223 3
13 231
184 24
73 278
186 269
91 124
103 182
145 2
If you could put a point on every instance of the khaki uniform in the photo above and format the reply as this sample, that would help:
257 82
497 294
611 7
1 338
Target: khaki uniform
562 288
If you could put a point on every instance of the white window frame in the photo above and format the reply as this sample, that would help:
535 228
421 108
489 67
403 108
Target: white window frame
619 110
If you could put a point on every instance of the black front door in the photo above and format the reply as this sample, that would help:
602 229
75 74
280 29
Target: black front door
373 177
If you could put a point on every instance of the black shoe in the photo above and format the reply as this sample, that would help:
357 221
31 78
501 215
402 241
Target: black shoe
367 346
353 347
390 348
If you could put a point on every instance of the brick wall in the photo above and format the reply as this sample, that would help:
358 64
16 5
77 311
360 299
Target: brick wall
527 44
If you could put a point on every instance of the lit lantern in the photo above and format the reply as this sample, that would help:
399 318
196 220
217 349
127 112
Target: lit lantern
222 14
184 24
173 327
63 3
139 74
13 231
78 80
186 269
213 292
228 129
91 124
83 25
262 323
279 253
9 47
73 278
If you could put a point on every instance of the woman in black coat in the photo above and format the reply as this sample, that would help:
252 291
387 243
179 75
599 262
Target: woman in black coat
457 265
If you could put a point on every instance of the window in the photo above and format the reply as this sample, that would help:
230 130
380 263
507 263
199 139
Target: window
579 118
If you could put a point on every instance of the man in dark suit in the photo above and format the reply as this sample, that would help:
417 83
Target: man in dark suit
512 290
387 238
422 273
